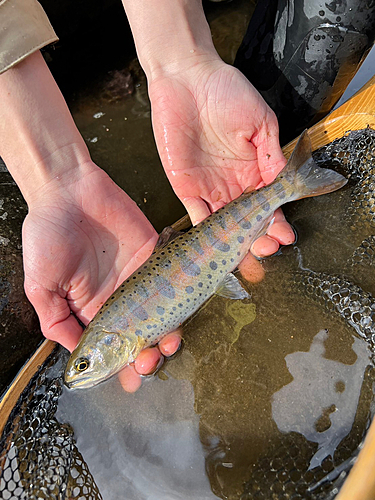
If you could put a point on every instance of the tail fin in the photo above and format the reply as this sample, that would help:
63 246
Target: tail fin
309 179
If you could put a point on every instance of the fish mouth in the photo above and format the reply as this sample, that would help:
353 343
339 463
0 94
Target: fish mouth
81 383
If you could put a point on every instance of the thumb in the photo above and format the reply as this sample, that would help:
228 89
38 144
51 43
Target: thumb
56 319
196 208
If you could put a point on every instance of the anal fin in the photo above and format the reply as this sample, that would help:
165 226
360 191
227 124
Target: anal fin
231 288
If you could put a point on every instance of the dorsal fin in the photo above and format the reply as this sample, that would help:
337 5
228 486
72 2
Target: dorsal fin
168 234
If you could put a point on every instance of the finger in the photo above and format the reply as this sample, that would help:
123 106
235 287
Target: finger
129 379
251 269
264 246
147 360
170 343
270 156
280 230
56 320
197 209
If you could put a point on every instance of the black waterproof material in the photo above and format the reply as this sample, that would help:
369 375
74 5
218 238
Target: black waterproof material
301 55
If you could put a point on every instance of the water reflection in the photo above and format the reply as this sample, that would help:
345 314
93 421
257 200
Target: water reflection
141 446
321 401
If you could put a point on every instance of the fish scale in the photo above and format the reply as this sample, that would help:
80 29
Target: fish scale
178 278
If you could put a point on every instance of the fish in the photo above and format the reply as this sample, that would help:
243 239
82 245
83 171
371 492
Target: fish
180 277
39 457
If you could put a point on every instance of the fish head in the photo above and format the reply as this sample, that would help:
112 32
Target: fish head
99 355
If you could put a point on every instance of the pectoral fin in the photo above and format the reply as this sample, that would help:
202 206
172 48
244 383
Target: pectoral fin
231 288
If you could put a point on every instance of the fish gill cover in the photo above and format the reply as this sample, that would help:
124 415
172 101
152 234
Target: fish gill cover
39 458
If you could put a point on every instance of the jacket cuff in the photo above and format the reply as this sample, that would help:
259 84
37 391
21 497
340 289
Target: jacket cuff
24 29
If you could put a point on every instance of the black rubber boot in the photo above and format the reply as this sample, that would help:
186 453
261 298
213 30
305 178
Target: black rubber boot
301 55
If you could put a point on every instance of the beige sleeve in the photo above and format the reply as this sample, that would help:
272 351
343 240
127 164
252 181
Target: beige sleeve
24 28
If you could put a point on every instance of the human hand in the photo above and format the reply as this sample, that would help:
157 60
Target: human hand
216 137
81 239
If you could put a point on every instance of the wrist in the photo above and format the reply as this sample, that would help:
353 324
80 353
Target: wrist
57 173
170 36
40 143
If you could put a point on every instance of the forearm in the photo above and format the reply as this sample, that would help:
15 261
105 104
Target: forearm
169 34
39 141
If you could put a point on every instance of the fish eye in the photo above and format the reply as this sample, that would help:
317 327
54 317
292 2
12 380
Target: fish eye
81 364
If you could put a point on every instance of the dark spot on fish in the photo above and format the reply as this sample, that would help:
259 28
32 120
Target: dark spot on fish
149 327
174 308
238 253
148 336
266 207
160 310
200 284
223 247
240 239
187 300
180 305
232 260
245 224
189 289
259 218
224 262
209 276
246 202
213 265
138 332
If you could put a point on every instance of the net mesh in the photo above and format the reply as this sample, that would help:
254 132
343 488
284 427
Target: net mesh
354 156
38 455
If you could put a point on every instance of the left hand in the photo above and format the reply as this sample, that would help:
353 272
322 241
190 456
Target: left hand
216 137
